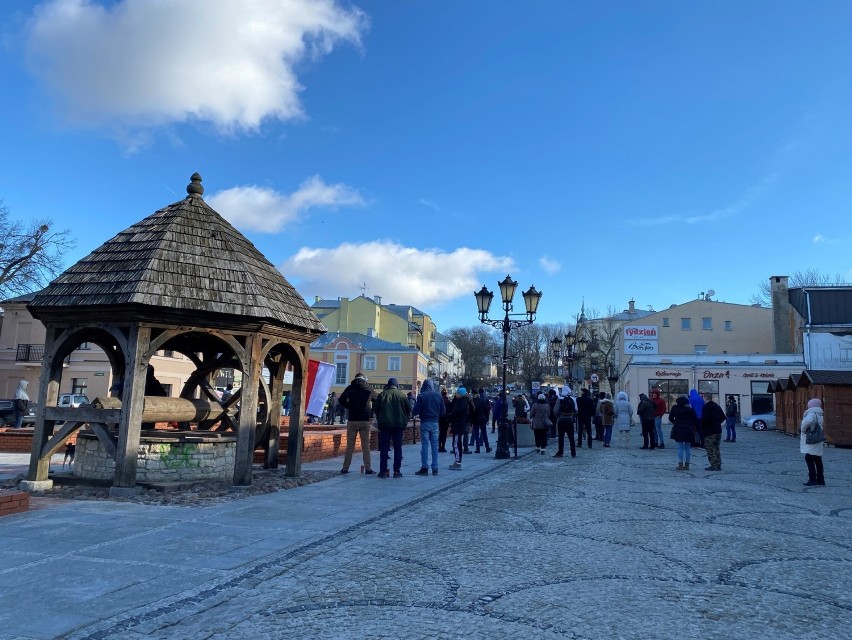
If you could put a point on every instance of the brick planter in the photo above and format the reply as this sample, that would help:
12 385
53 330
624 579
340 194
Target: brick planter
14 502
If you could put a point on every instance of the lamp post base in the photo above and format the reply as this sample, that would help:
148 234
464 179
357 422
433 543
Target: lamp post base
502 451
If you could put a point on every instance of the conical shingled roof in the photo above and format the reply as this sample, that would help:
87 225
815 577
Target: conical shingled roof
182 258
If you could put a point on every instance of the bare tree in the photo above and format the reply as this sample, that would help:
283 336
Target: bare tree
532 347
30 254
806 278
477 345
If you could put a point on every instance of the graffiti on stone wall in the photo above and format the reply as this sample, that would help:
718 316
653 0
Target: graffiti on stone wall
177 456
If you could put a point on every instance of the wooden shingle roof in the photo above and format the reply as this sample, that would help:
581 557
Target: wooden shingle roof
184 259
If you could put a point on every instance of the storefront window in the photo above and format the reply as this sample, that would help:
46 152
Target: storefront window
761 399
711 387
669 390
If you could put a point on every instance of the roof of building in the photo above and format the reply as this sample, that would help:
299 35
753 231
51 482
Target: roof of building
823 305
403 310
368 343
184 257
829 377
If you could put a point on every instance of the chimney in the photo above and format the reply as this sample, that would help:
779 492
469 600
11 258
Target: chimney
782 312
631 306
317 299
377 300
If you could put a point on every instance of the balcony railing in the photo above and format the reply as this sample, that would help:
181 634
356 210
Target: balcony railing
30 353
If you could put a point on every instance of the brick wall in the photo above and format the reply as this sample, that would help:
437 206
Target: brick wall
21 440
319 445
13 502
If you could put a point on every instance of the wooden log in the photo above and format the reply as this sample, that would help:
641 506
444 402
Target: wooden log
159 409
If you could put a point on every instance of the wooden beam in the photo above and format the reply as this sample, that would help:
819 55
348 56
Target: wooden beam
248 412
109 441
51 374
59 438
132 397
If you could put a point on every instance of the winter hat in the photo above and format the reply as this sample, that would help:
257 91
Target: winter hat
462 391
393 383
541 396
815 402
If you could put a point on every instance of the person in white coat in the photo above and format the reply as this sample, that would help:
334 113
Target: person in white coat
22 403
623 418
813 418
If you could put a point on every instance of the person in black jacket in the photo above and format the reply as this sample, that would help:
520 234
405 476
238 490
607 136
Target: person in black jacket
357 399
712 417
684 424
645 411
585 413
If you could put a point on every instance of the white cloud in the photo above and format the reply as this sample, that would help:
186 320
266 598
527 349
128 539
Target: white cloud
265 210
821 239
400 275
549 265
139 63
429 204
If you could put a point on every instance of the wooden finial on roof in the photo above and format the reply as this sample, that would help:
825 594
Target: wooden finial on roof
194 188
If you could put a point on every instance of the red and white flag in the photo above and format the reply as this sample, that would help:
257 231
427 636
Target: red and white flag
320 377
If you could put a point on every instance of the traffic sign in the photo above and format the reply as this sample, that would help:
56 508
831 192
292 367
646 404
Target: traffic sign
594 378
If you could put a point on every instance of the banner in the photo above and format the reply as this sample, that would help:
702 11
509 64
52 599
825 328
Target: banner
320 378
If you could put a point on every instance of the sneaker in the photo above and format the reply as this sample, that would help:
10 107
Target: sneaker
456 466
369 472
466 452
397 474
606 445
423 472
384 474
487 449
811 483
558 454
434 472
344 471
541 452
713 468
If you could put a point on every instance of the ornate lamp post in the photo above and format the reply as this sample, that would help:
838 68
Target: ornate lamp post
483 304
556 349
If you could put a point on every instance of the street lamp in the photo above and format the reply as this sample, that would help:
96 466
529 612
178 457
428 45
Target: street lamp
483 304
556 348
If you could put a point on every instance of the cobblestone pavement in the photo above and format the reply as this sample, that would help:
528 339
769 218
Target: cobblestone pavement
612 544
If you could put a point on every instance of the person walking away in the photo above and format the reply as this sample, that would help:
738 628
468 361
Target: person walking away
645 411
684 424
461 413
585 412
21 404
429 405
540 422
392 411
444 423
712 417
607 412
697 404
597 419
480 425
813 421
660 409
333 404
357 399
731 420
501 412
566 411
623 418
552 398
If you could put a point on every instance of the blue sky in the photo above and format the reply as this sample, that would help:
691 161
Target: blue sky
601 151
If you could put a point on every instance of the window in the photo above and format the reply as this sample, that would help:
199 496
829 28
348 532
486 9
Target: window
84 346
701 349
728 325
421 369
394 363
711 387
669 390
685 324
341 376
369 363
168 389
78 385
761 399
707 324
666 322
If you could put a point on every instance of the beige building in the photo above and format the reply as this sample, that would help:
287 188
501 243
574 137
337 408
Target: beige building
86 370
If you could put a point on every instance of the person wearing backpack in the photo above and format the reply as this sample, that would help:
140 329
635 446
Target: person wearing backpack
585 411
480 425
812 421
462 412
606 410
566 412
645 411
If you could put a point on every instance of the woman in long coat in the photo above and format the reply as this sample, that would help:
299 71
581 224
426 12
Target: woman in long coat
623 418
539 417
813 452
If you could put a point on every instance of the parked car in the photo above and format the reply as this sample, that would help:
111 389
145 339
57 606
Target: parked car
760 421
72 400
7 413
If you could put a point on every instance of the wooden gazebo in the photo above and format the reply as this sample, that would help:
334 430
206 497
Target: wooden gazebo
183 279
833 388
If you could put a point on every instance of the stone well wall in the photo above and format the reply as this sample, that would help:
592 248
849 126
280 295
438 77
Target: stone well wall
162 459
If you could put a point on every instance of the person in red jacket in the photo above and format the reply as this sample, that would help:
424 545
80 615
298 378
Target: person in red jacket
660 410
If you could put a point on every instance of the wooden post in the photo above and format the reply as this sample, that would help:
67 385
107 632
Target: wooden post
297 403
248 411
276 389
132 401
48 394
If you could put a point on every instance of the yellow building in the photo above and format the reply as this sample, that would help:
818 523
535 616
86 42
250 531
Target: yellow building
377 359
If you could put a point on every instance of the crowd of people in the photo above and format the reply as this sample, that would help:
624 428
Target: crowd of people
696 422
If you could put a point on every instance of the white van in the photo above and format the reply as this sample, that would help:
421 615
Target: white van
72 400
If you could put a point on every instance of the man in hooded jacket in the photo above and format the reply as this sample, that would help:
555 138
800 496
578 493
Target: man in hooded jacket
429 405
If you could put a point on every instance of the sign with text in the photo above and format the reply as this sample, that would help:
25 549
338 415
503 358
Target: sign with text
640 333
640 346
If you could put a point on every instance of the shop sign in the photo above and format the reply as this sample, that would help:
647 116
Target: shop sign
640 333
668 374
640 346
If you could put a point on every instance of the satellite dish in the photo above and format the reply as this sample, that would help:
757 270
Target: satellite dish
710 292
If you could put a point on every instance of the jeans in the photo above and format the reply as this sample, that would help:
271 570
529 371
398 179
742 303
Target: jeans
386 434
584 424
362 430
815 470
683 451
658 427
480 434
428 442
443 428
649 434
607 433
731 428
